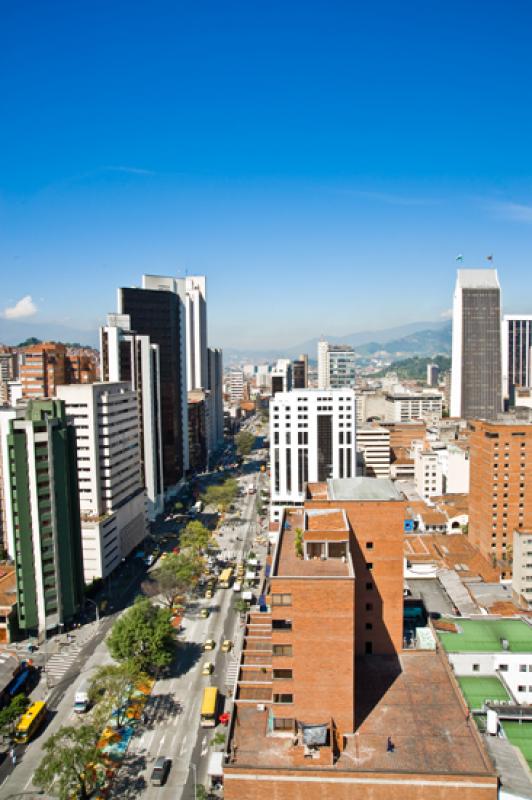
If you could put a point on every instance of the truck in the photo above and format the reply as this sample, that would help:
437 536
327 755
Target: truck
81 698
197 508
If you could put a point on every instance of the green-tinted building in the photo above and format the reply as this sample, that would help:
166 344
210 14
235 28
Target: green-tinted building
46 518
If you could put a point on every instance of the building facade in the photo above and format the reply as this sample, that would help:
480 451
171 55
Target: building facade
476 377
433 375
128 356
42 481
198 427
196 317
312 438
235 385
336 366
157 310
373 444
215 399
500 497
516 354
42 369
105 418
428 473
300 372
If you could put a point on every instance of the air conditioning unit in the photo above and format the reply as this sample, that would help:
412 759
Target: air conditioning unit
261 707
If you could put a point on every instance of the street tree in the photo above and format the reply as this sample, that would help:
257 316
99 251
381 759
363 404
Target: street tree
143 635
10 715
221 496
69 766
177 575
195 538
112 688
245 442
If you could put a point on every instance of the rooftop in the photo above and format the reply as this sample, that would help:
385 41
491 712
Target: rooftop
288 564
362 489
486 636
8 586
419 708
478 688
453 552
477 279
324 519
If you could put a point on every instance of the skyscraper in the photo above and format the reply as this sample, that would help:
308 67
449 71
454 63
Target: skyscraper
516 353
128 356
196 316
336 366
216 397
476 381
157 310
43 483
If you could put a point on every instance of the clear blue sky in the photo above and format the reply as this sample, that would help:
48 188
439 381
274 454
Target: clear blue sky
322 162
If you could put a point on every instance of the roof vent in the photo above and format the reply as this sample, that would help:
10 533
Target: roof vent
505 644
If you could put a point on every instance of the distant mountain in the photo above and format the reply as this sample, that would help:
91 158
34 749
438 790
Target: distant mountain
415 368
12 332
421 343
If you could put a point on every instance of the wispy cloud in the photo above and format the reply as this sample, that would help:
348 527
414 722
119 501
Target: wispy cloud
390 198
513 211
447 314
25 307
130 170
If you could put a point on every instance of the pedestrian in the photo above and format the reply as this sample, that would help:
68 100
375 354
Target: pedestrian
390 747
13 756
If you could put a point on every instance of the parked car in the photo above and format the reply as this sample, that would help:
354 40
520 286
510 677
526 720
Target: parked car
208 668
226 645
160 771
209 644
204 613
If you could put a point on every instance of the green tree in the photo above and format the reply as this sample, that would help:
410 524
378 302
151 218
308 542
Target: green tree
298 542
241 606
144 635
221 496
112 688
10 715
244 442
195 537
178 507
69 766
177 575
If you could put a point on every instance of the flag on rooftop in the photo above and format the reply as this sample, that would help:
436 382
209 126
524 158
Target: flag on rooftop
459 257
489 258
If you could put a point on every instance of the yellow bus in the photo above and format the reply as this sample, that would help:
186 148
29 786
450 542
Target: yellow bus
30 722
209 707
224 581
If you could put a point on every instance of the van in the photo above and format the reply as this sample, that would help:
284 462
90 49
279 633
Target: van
160 771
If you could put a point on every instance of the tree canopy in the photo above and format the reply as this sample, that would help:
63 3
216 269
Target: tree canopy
143 635
112 687
69 766
177 575
10 714
195 538
245 442
221 496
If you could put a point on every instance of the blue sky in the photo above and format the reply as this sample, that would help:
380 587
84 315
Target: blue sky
322 162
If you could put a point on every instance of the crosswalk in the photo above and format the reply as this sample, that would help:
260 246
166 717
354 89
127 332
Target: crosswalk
58 665
232 671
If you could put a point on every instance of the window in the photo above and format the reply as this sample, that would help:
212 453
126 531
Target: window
282 673
522 667
281 624
369 586
369 565
369 626
503 667
368 648
283 698
369 545
282 650
369 606
521 688
476 667
280 724
281 599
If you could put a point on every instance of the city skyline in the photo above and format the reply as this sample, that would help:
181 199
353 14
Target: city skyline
268 151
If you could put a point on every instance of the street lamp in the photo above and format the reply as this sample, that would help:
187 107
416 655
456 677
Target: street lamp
88 600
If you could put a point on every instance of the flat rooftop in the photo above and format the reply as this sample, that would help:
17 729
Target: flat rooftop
362 489
520 735
418 707
486 635
326 520
288 563
479 688
453 552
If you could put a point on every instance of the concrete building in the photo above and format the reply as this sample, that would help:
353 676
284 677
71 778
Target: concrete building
476 379
336 366
500 499
312 438
8 364
42 481
433 375
516 354
235 385
323 683
373 444
196 316
105 418
127 356
42 369
300 372
403 406
281 376
522 568
428 474
198 427
7 540
157 310
215 399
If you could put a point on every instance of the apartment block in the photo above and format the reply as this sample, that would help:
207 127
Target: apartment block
516 354
196 336
428 473
43 487
235 385
312 438
336 366
105 418
373 445
476 379
42 369
216 398
128 356
433 374
7 541
500 498
300 372
404 406
522 568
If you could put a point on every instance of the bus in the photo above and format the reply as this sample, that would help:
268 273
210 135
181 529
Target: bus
224 581
30 722
209 707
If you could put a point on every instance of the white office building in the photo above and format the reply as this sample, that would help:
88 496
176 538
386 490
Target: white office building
404 406
336 365
516 353
196 317
312 438
281 376
127 356
235 385
428 473
476 378
373 445
111 491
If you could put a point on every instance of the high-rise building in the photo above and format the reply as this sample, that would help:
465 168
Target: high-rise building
8 364
127 356
196 316
43 483
6 517
476 380
336 366
373 444
216 398
105 418
500 494
516 354
42 369
312 438
281 376
323 364
235 385
428 473
433 375
157 310
198 428
300 372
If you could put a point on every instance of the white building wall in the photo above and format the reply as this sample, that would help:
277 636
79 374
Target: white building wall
514 668
428 475
323 364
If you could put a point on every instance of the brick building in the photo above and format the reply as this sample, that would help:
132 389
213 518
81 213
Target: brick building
323 681
42 368
500 498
